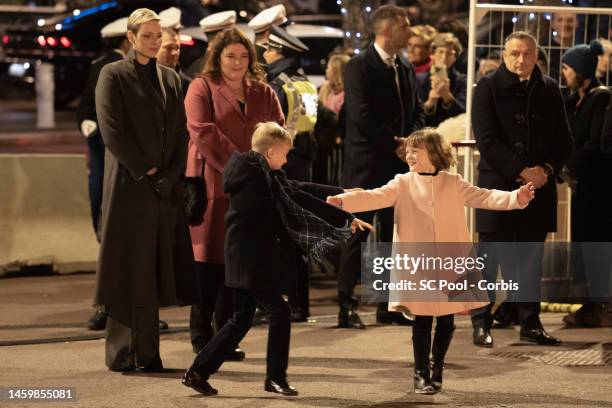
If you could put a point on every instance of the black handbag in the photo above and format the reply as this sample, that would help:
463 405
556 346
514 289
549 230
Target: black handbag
196 200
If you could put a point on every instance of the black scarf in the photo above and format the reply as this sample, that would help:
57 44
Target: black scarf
312 234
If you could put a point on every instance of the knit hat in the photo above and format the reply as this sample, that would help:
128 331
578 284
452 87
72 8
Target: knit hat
583 58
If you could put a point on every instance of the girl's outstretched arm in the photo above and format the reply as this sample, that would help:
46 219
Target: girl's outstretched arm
489 199
368 200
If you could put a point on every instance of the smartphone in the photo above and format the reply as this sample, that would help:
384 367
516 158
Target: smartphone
439 71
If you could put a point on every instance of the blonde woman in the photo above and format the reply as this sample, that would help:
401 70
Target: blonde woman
332 91
145 256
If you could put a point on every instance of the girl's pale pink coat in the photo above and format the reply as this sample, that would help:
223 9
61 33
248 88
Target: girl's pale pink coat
430 209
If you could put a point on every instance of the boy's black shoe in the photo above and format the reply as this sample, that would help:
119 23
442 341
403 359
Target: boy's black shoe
197 382
349 319
280 387
236 355
539 336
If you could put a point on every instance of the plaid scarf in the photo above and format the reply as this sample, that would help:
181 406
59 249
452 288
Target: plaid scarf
313 235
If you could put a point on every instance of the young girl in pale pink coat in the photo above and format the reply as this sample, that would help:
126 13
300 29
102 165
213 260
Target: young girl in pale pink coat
429 206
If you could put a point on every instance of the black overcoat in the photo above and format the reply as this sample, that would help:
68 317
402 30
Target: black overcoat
516 126
86 110
145 248
590 166
259 254
373 118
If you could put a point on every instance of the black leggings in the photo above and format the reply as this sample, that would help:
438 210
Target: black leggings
444 323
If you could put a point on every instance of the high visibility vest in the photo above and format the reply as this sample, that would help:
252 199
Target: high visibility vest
302 102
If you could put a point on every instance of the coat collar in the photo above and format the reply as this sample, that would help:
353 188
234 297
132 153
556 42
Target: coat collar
510 80
228 95
131 58
573 102
375 57
290 66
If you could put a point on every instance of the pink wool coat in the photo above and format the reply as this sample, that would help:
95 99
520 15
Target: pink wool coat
218 127
430 209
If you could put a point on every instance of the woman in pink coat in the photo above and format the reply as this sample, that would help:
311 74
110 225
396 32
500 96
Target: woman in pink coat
429 206
223 105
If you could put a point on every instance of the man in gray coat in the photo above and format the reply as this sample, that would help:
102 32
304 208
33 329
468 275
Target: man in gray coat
146 259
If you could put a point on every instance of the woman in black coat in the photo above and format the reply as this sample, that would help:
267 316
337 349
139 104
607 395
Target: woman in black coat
587 171
145 257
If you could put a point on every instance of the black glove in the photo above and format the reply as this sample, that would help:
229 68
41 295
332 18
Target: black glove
161 185
195 200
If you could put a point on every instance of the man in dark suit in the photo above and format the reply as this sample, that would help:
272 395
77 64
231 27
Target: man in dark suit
381 104
522 132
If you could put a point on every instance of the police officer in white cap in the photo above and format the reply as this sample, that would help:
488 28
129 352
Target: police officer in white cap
170 50
211 26
170 18
299 99
261 24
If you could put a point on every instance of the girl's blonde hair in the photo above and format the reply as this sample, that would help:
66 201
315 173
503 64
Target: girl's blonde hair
267 135
439 150
335 83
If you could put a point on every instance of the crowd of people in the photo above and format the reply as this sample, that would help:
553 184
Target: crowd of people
212 190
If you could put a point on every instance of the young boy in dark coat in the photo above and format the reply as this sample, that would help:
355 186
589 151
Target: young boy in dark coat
267 215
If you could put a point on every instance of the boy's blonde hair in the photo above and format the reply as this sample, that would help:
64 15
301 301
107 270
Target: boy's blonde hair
439 150
139 17
267 135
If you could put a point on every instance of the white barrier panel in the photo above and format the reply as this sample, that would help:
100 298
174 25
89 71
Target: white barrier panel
45 90
44 213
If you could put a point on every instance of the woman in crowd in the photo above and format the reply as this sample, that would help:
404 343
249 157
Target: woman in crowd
332 91
442 88
223 105
417 50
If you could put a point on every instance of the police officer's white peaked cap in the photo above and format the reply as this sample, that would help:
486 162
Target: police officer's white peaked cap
170 18
275 15
218 21
117 28
281 38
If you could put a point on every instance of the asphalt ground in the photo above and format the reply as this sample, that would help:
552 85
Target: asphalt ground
44 344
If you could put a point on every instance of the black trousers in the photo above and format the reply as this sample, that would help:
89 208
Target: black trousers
95 177
299 300
526 269
216 300
349 271
213 355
